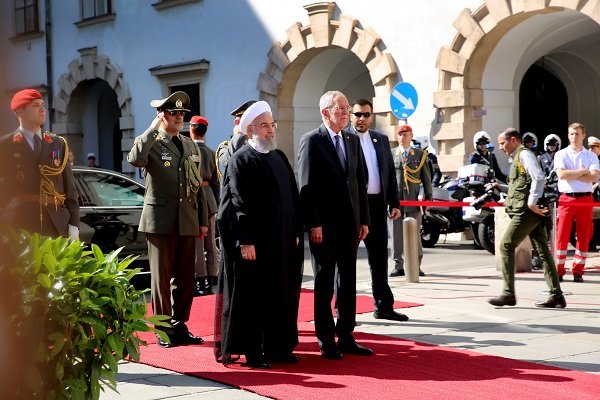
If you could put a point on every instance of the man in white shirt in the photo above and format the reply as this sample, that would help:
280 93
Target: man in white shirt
577 169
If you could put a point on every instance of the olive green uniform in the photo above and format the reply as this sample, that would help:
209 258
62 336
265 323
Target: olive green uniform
523 223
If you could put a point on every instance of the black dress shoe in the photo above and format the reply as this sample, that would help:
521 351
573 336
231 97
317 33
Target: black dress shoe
391 315
397 272
560 278
554 301
188 338
331 354
351 347
257 362
164 343
503 300
421 273
200 287
577 278
285 358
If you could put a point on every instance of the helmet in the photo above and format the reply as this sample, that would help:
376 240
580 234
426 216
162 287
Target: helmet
552 139
480 136
530 137
423 140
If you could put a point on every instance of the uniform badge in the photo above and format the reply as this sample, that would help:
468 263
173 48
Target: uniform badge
167 163
179 104
195 158
374 140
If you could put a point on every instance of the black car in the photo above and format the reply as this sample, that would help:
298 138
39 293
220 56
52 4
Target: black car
110 208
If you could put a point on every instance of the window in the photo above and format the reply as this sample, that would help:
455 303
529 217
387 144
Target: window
95 8
26 17
192 90
112 191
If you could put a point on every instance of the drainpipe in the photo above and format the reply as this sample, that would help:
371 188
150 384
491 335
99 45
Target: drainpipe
49 75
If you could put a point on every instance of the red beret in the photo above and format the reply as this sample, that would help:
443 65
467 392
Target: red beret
198 120
404 128
24 97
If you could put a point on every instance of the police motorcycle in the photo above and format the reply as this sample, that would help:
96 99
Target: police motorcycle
476 179
438 220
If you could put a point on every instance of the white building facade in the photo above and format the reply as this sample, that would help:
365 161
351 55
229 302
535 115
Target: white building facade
476 65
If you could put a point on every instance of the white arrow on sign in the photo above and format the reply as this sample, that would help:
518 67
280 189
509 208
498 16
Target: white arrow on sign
407 103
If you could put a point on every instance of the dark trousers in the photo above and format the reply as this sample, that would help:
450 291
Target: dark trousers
338 248
376 244
520 226
172 276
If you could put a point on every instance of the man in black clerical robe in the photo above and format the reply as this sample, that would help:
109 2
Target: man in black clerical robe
261 250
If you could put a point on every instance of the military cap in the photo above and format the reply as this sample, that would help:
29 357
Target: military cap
178 101
24 97
238 112
198 120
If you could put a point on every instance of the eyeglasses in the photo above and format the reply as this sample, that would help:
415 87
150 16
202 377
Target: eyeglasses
362 114
173 113
338 108
266 125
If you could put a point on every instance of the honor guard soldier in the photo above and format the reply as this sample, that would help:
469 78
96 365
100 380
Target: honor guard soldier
35 176
226 148
169 218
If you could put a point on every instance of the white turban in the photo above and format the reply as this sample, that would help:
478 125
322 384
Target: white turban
256 109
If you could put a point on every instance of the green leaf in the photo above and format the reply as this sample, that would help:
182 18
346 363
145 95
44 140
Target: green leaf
44 280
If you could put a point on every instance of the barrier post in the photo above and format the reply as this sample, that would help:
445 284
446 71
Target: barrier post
410 235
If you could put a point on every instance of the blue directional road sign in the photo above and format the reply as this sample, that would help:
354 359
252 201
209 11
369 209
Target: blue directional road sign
403 100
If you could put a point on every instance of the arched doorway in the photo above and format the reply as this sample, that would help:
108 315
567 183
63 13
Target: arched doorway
327 54
92 110
543 104
483 68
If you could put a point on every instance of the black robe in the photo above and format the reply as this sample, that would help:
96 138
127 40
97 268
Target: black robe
257 302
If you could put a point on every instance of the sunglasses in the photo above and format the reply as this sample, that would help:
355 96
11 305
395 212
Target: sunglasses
362 114
174 113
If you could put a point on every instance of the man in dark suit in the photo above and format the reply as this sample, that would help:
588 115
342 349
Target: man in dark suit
38 187
206 266
382 191
170 215
336 213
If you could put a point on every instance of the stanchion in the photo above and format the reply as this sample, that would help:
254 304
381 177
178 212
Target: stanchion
410 235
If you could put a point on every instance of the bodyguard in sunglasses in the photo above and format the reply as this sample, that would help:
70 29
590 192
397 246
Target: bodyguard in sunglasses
172 204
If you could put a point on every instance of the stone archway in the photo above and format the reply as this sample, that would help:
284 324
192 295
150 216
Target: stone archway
288 60
459 98
91 66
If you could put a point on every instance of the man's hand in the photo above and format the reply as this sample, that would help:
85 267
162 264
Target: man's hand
248 252
158 121
203 232
538 210
316 235
395 214
364 231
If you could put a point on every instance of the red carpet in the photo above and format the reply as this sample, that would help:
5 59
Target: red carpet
201 321
400 369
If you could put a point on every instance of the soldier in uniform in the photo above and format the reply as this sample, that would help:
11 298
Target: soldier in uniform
206 266
411 173
169 218
226 148
37 181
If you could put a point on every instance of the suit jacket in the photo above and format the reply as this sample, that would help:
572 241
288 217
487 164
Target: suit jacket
385 163
331 197
21 184
210 178
169 208
408 190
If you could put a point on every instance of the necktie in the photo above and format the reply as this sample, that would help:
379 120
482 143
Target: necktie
178 144
339 151
37 145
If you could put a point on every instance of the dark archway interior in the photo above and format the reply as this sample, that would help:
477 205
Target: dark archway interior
543 104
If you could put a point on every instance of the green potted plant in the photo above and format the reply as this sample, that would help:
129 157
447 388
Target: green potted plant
74 315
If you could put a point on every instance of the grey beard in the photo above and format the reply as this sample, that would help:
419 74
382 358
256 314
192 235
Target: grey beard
265 145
